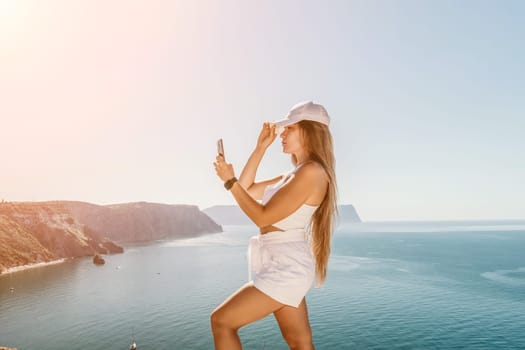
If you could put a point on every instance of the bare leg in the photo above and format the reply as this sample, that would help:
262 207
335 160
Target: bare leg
295 326
246 305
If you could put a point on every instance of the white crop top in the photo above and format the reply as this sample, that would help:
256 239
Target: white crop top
298 219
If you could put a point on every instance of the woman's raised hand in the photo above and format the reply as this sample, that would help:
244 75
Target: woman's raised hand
267 135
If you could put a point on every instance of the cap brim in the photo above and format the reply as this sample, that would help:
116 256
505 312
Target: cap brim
283 122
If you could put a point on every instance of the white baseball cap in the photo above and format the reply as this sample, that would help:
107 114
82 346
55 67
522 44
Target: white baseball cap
307 110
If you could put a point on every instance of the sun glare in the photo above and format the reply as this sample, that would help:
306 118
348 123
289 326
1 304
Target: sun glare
12 22
9 12
7 8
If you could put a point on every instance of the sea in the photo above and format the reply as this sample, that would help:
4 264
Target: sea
390 285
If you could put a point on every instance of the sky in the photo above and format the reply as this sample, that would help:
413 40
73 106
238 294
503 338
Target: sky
123 101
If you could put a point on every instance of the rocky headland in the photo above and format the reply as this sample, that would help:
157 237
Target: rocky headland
143 221
347 213
34 233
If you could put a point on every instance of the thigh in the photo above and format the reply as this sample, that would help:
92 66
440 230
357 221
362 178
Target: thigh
246 305
294 323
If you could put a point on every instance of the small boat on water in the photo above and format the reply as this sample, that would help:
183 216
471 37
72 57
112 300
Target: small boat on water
133 345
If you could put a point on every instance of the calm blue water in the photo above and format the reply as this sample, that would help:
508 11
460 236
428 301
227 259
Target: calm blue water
433 285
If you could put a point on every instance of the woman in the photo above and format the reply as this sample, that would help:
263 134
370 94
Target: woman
295 217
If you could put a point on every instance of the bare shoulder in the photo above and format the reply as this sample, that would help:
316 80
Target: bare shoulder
312 170
315 178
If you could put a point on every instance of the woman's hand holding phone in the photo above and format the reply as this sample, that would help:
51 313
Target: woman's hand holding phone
223 169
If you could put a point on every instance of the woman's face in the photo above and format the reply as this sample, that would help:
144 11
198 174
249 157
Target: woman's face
292 139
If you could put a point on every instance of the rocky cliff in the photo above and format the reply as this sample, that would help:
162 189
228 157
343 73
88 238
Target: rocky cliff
142 221
36 232
33 232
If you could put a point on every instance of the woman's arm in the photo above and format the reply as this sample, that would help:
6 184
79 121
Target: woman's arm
246 180
308 179
247 177
250 169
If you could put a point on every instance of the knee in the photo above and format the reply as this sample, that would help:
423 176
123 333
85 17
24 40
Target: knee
219 321
216 319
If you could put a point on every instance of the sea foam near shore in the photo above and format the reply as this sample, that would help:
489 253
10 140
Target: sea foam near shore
31 266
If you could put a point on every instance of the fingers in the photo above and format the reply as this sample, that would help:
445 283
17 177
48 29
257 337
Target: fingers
269 128
272 130
269 125
219 163
223 170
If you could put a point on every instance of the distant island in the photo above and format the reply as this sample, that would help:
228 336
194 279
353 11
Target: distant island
233 215
33 233
347 213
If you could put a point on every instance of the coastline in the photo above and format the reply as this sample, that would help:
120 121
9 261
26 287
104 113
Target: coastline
31 266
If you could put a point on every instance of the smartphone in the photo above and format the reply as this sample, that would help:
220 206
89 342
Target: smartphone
220 148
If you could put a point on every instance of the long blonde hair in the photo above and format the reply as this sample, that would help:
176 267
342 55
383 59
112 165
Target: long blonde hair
318 143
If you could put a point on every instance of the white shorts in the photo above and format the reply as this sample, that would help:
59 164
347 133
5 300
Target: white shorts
283 264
